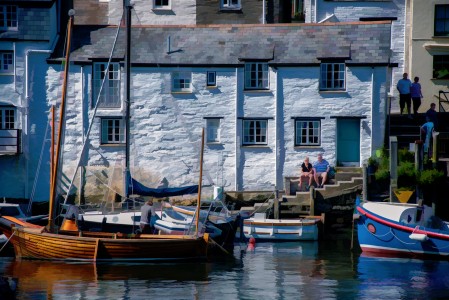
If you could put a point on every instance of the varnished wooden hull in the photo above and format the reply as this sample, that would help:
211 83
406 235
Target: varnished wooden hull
30 243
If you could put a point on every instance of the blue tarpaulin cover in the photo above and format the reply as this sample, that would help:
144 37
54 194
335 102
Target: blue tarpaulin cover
136 187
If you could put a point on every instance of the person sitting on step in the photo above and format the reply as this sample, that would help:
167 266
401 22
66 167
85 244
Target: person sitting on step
306 173
320 169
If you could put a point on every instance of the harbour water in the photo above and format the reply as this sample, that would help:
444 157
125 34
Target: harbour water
290 270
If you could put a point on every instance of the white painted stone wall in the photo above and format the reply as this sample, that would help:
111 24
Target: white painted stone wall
364 97
182 12
166 126
354 10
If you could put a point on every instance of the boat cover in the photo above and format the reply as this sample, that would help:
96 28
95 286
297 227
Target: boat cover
136 187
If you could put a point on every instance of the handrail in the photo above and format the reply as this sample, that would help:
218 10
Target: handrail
442 101
10 139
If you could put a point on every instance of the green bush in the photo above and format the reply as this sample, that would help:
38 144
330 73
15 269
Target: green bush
382 175
430 177
407 175
372 161
406 156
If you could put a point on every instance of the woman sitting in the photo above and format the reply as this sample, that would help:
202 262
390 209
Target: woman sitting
306 173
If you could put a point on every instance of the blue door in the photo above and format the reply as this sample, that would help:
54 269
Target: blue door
348 142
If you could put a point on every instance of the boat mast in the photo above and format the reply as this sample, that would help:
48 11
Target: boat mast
198 204
60 127
126 174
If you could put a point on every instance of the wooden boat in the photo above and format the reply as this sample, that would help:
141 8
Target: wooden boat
401 229
70 243
261 228
34 242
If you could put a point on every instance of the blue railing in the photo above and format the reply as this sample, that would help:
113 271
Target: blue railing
10 141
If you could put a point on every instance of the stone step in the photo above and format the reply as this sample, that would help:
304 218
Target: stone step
356 170
328 191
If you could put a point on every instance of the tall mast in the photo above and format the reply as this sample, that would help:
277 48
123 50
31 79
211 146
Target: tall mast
56 159
200 183
126 173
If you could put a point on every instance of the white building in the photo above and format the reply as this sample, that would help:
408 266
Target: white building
396 11
268 95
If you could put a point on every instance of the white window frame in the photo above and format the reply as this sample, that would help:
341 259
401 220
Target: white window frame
213 129
6 62
159 4
8 17
112 130
182 82
332 76
256 76
307 132
110 94
211 78
6 114
255 132
231 4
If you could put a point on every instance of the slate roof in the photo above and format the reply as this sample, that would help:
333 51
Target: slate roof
360 42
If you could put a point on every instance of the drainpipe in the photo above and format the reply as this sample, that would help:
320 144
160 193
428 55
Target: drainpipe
83 120
276 149
263 12
237 154
14 66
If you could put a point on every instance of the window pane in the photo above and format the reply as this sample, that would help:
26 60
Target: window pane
441 66
213 126
255 132
441 20
307 132
332 76
110 94
181 81
256 76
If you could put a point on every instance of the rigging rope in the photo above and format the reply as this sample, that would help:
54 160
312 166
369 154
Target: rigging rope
33 191
86 139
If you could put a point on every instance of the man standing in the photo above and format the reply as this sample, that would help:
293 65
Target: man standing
432 115
405 97
320 169
147 213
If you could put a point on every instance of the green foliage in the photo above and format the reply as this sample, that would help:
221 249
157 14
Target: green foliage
430 177
372 161
406 156
407 175
382 175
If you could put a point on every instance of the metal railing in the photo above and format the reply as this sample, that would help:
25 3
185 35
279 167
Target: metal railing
10 141
443 101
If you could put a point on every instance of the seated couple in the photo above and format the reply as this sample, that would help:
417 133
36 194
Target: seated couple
314 172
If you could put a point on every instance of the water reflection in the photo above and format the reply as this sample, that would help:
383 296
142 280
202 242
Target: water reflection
291 270
402 278
40 279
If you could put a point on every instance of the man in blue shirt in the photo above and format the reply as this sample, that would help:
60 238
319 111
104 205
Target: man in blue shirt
405 97
320 169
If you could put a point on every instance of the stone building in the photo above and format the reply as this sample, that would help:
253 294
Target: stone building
267 96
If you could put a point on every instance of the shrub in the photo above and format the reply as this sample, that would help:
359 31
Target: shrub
407 175
406 156
430 177
382 175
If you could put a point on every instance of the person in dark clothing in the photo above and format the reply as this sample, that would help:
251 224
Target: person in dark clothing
432 115
405 97
147 213
306 173
415 91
